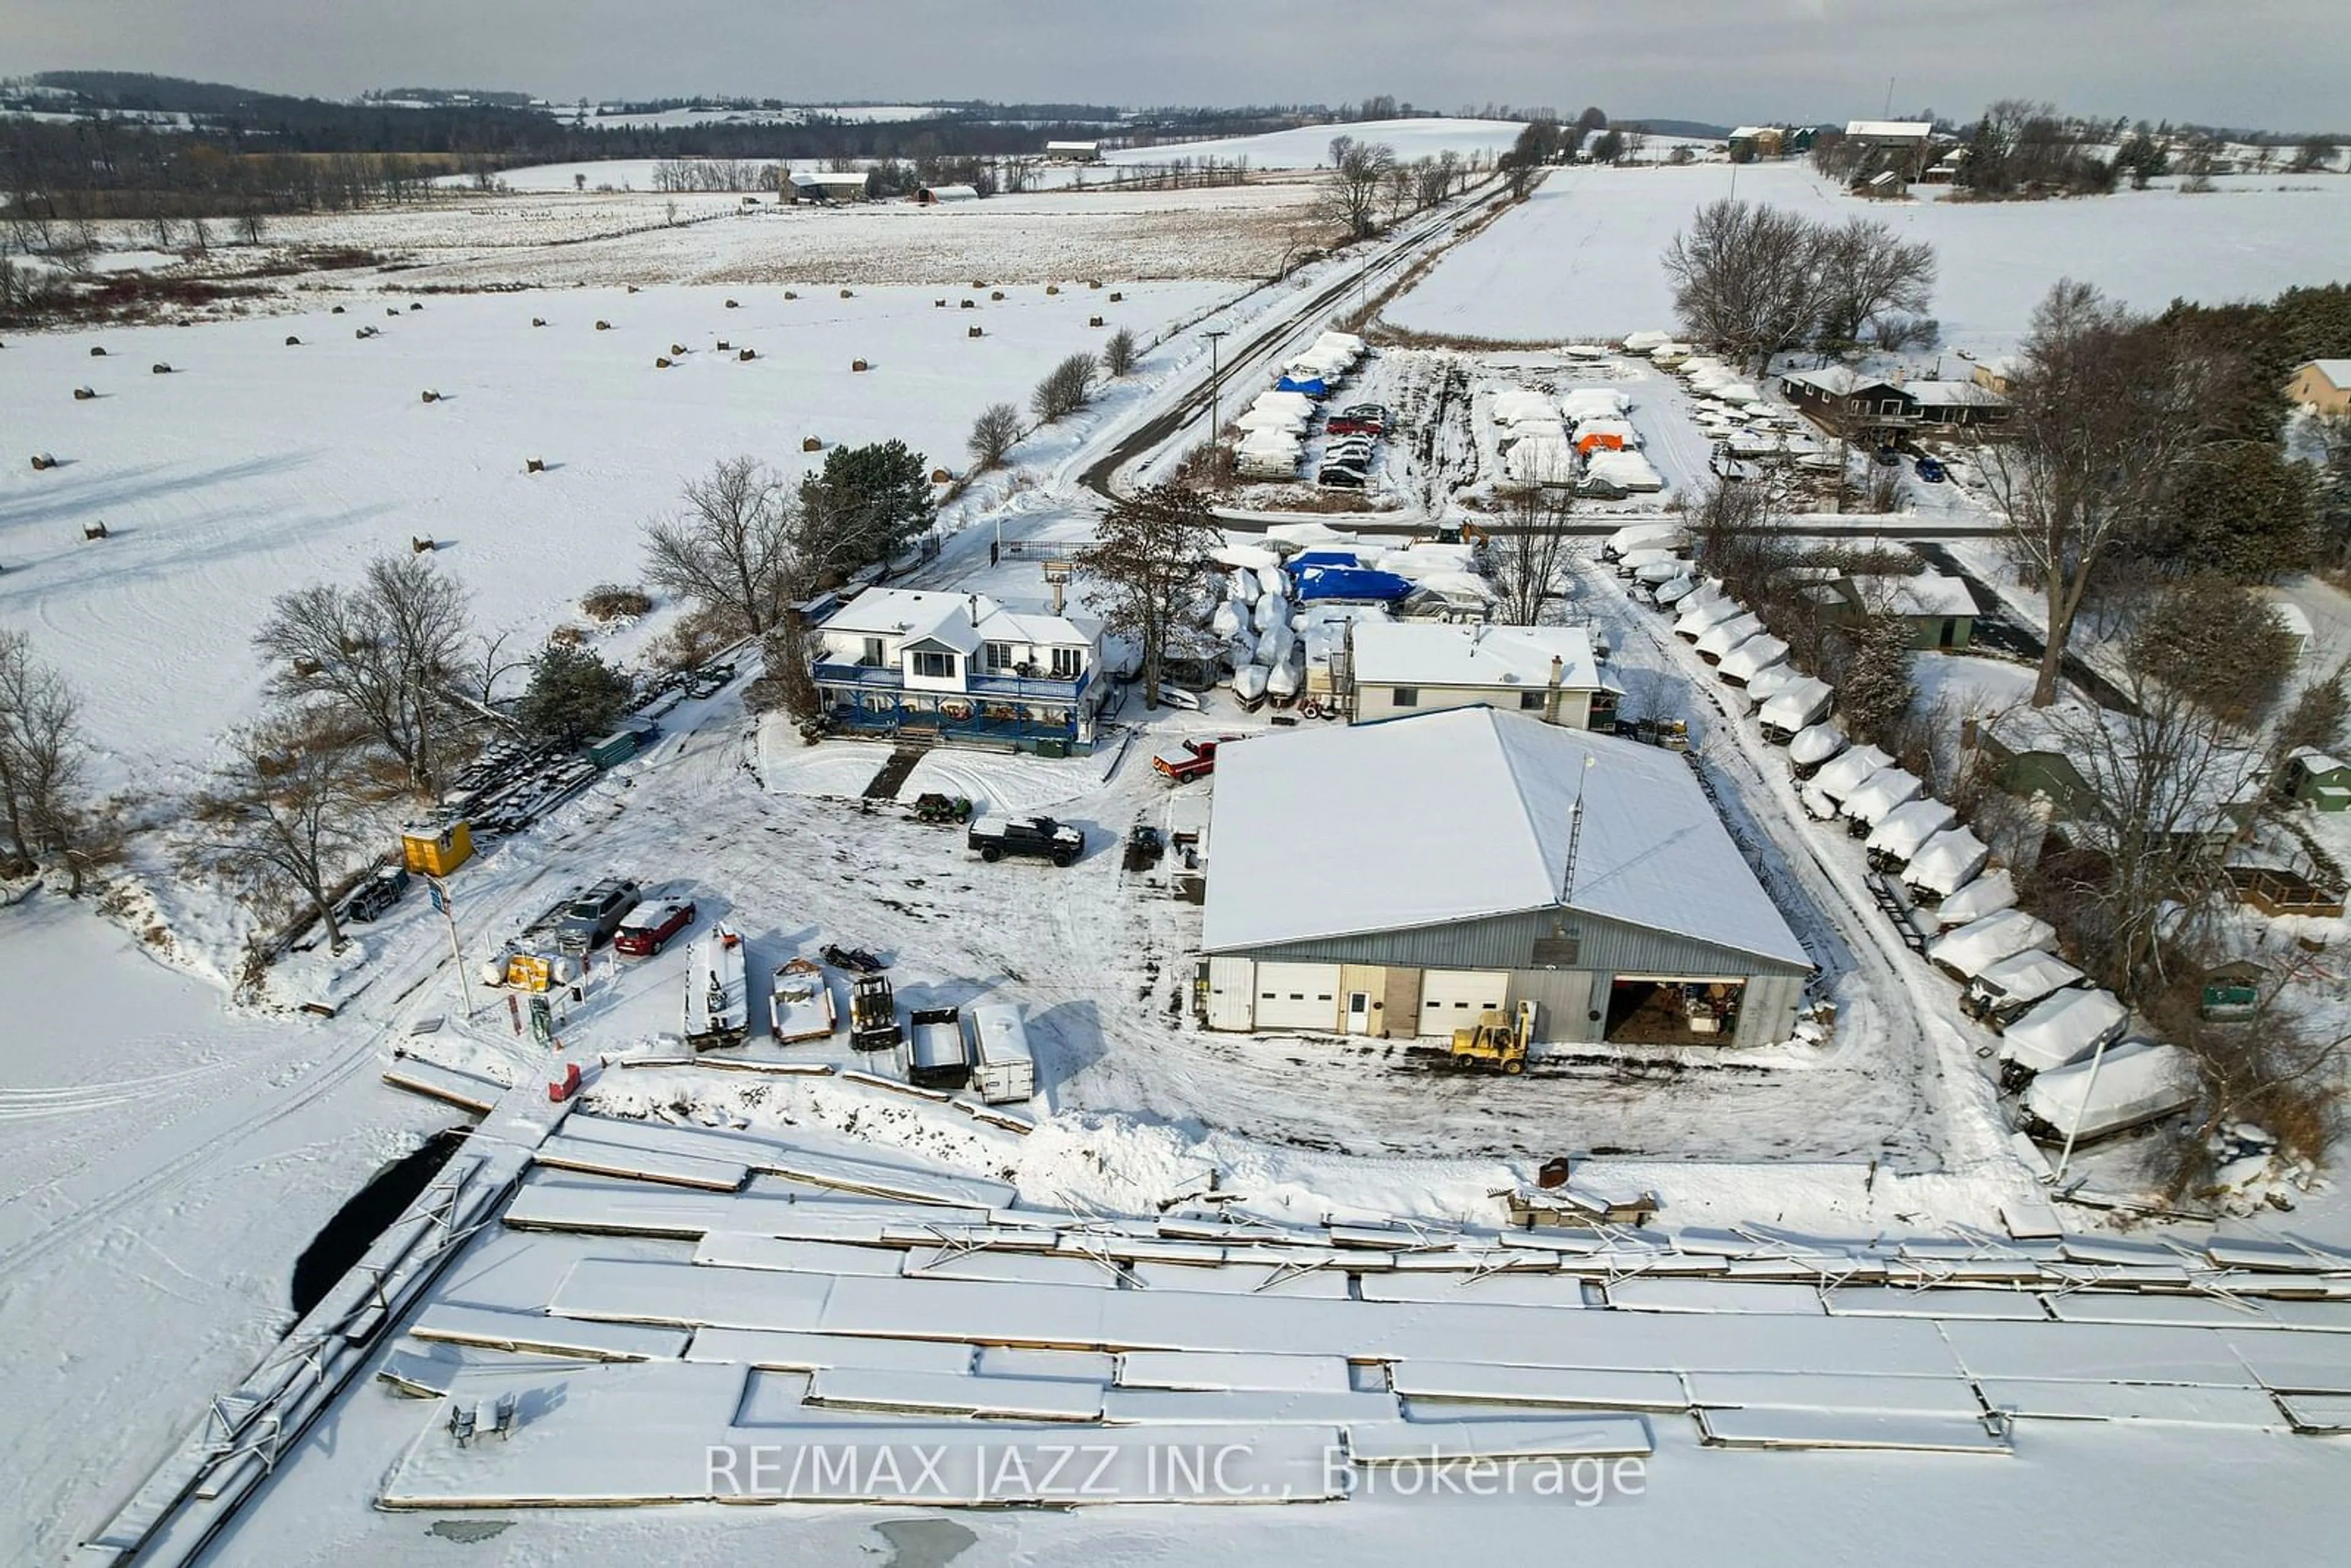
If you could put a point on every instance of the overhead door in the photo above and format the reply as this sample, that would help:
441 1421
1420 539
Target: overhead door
1452 999
1230 997
1298 996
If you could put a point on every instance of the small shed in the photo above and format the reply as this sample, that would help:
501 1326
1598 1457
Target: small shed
2317 780
438 850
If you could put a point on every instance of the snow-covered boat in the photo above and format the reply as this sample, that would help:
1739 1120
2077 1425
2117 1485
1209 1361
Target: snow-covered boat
1904 831
2062 1030
1943 865
1975 947
717 992
1811 747
799 1004
1988 894
2007 990
1796 709
2135 1083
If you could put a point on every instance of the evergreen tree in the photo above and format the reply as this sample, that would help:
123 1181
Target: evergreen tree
574 696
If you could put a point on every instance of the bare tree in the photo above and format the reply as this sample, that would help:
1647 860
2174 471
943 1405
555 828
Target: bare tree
1871 279
1526 550
729 548
1120 352
2107 407
1745 279
41 760
1149 564
1066 389
1351 199
389 653
286 816
1434 178
993 436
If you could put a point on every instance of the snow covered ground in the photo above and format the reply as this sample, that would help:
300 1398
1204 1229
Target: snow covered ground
1580 259
1308 146
255 466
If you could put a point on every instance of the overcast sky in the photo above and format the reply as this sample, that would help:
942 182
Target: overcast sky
2274 64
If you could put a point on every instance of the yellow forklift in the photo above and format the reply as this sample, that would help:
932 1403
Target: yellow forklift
1498 1041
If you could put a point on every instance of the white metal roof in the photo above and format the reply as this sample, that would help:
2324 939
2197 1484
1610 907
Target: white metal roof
1445 654
1890 129
1465 813
1927 593
961 620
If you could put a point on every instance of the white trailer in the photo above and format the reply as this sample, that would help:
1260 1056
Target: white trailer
937 1057
717 992
1003 1073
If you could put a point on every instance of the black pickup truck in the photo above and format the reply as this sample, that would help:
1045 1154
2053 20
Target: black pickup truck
1040 838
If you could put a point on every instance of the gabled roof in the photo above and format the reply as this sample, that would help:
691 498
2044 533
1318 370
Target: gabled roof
1465 813
1837 380
958 620
1890 129
1447 653
1927 593
2337 372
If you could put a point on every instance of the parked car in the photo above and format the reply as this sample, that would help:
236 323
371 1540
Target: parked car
646 929
589 920
1931 471
1889 456
1341 475
377 893
1038 838
1376 412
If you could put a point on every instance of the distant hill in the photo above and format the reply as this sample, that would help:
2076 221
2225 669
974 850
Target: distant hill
1697 128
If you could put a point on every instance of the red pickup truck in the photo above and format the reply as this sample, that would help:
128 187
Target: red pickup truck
1195 759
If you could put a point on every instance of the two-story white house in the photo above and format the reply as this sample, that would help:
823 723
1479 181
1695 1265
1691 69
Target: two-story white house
1550 672
959 667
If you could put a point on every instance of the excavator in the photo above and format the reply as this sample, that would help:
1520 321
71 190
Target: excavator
1498 1041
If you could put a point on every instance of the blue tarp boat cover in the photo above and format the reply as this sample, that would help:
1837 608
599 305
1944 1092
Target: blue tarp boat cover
1312 386
1305 558
1351 582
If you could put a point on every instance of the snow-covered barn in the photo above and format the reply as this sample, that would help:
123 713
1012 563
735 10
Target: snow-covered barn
828 186
1398 878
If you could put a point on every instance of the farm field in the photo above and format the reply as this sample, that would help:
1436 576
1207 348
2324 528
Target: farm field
1580 259
256 466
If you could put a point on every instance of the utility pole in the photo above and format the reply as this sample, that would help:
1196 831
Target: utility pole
2074 1128
440 894
1215 384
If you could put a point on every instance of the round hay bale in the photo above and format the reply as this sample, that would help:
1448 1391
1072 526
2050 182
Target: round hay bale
420 547
1052 288
93 530
160 368
731 305
98 351
745 354
391 310
1093 283
938 304
336 312
790 295
83 394
430 396
812 444
724 347
42 460
1094 321
661 362
995 294
971 303
604 326
633 288
979 283
975 332
941 476
538 320
534 464
848 293
292 341
858 365
416 305
677 350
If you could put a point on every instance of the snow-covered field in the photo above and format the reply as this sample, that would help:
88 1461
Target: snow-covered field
1308 146
255 466
1581 258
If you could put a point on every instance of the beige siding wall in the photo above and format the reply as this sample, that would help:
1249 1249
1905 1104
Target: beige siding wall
2308 386
1379 702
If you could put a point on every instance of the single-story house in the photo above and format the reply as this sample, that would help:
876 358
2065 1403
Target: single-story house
1838 397
1401 667
1074 151
1750 142
2324 385
1398 880
959 667
828 185
2317 780
2058 757
1941 609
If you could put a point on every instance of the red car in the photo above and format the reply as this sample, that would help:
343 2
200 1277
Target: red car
646 929
1195 758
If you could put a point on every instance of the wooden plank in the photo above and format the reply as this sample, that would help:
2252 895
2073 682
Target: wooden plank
1830 1391
546 1334
1538 1385
1211 1370
944 1393
2161 1402
562 1151
466 1091
780 1350
1846 1430
730 1249
1411 1442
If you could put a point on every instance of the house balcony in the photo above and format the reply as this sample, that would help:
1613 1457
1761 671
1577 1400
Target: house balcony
995 689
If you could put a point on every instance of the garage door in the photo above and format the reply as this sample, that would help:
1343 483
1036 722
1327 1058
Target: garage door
1452 999
1298 996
